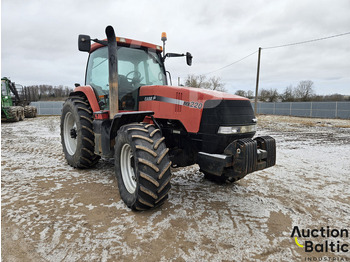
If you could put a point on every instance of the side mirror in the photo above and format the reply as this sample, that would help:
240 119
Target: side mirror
84 43
189 58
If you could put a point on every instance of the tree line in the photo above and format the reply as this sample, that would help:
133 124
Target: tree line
46 92
303 92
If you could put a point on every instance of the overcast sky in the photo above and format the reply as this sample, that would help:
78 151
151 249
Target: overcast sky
39 39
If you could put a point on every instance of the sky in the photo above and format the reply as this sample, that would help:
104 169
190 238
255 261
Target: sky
39 39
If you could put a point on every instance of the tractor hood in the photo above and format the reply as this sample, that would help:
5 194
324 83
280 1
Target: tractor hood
185 104
188 93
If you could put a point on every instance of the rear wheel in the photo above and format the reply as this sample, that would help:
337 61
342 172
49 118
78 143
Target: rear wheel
28 111
13 114
77 137
20 113
34 111
142 166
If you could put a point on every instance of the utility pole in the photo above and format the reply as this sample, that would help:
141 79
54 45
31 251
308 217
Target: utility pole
257 84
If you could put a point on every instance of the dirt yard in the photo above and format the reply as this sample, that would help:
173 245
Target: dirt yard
53 212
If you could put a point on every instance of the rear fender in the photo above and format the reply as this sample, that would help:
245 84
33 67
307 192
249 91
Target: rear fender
90 95
125 118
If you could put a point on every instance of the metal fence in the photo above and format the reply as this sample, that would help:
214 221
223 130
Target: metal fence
48 107
307 109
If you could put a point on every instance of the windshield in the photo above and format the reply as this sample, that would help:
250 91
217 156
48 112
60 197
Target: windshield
3 88
136 67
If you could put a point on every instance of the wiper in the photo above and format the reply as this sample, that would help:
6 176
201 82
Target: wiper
100 63
154 58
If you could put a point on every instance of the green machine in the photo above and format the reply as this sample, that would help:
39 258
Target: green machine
14 102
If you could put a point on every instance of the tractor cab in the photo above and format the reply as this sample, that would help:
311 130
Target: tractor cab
6 95
137 66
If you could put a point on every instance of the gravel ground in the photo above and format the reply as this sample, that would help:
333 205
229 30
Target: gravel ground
53 212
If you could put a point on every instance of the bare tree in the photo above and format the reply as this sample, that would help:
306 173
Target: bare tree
250 94
241 93
216 84
196 81
287 95
199 81
304 90
270 95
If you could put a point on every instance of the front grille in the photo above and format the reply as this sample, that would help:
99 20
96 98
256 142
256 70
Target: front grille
225 113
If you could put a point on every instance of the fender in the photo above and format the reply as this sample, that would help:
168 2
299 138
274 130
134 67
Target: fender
106 130
90 95
124 118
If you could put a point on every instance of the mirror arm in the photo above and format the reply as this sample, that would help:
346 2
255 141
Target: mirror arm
102 42
171 55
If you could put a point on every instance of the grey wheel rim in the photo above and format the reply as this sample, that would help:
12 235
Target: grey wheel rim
70 141
127 169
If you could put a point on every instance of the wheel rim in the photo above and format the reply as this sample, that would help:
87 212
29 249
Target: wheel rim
70 141
127 168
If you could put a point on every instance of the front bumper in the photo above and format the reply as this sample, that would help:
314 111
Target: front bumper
241 157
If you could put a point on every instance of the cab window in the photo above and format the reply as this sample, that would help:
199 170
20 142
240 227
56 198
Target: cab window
136 67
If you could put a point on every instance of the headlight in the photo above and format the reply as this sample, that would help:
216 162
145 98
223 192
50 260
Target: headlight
225 130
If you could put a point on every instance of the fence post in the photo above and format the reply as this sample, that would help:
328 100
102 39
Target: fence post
310 109
336 109
290 108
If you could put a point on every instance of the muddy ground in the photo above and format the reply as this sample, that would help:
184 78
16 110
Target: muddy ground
53 212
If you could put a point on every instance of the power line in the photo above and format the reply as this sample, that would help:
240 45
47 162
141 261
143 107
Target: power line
278 46
308 41
232 63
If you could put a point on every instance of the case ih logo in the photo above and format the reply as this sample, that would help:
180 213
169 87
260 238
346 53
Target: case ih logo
150 98
340 245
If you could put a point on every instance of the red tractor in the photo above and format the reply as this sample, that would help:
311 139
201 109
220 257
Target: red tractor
127 111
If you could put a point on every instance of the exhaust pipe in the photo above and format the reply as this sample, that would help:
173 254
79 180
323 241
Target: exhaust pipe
113 72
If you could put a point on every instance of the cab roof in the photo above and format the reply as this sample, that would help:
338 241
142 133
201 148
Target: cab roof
121 41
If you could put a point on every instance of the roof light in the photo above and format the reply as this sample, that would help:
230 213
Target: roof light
164 38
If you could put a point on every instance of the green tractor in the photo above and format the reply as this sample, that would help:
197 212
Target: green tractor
14 102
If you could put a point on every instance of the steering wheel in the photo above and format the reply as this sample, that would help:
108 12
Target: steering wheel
136 77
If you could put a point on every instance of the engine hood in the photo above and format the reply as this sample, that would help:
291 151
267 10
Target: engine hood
184 104
197 94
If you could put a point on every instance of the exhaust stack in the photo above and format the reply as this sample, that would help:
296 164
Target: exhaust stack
113 72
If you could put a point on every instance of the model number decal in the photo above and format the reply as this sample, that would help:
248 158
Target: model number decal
193 104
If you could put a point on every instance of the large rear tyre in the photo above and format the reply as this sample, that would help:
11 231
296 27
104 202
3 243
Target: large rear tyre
34 111
13 114
28 112
20 110
78 139
142 166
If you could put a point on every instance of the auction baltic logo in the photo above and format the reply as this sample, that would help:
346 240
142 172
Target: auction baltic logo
327 243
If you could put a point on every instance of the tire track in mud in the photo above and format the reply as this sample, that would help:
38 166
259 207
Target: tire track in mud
62 213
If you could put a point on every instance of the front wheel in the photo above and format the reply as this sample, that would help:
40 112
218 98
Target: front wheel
77 137
142 166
